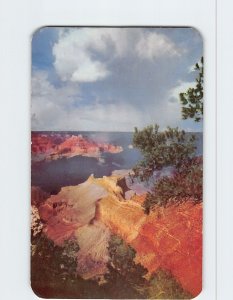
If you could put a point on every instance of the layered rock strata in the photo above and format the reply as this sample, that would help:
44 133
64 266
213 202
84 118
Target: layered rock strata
56 146
168 238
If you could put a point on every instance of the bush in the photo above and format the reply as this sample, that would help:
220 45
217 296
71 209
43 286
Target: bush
185 183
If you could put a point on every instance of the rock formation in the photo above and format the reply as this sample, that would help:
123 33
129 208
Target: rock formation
168 238
54 146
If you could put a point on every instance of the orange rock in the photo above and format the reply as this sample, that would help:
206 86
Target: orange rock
139 198
171 238
168 238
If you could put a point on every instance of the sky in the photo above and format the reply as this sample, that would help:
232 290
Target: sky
112 79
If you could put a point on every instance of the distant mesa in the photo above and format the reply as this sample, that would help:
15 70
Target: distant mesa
55 146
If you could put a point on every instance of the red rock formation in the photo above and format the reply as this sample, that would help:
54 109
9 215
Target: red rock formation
169 238
45 143
55 146
70 215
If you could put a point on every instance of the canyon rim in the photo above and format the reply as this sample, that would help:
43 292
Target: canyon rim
117 162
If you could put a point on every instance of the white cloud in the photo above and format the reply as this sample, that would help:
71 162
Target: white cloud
181 87
79 53
54 109
57 108
49 101
154 45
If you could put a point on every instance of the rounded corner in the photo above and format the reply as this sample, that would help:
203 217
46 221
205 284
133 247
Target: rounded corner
196 297
37 31
37 293
198 32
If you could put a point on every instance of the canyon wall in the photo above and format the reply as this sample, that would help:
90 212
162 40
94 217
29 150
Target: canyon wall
168 238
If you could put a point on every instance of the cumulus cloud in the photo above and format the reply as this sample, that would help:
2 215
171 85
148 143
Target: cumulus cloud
84 54
63 108
57 108
154 45
49 102
113 79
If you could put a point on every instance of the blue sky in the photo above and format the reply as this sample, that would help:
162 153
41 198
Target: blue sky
112 79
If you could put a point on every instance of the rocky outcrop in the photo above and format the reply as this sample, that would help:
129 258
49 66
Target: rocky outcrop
93 255
168 238
71 208
55 146
171 239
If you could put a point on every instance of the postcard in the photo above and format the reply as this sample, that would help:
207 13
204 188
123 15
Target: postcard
117 162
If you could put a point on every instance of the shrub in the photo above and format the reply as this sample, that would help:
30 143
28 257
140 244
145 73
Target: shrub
185 183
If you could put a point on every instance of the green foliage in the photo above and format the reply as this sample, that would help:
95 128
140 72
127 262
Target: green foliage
192 99
123 269
125 272
164 286
53 272
160 149
185 183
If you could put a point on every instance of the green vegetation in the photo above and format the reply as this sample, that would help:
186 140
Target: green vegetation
122 261
171 147
168 148
192 99
185 183
53 274
163 285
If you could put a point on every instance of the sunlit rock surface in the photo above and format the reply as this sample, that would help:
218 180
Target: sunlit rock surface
171 239
93 254
168 238
54 146
71 208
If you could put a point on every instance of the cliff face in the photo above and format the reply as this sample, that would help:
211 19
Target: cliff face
71 208
169 238
55 146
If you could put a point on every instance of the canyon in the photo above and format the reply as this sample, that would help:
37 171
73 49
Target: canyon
168 238
54 146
